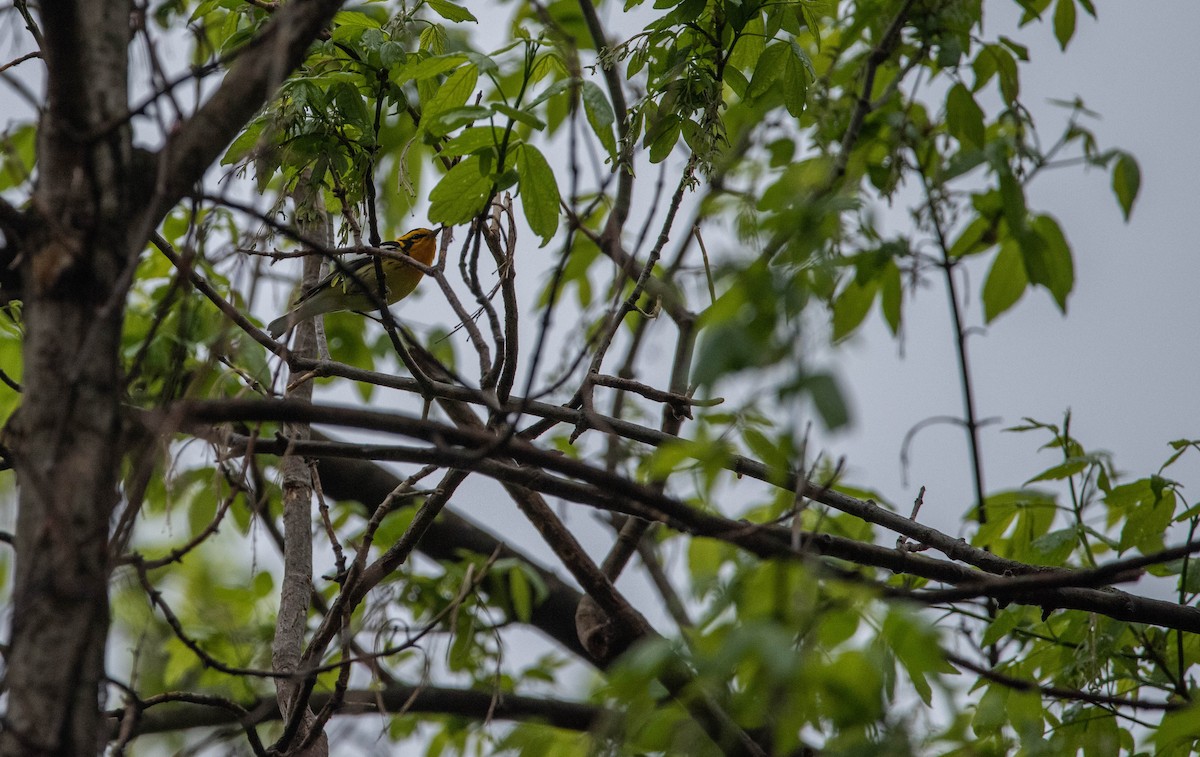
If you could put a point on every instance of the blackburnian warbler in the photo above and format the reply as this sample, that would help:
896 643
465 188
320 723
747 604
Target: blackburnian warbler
343 289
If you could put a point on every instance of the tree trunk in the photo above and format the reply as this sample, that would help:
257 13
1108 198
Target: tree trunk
66 435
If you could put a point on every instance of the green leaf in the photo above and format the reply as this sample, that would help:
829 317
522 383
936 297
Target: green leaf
20 152
1190 580
1012 197
520 594
775 453
1055 547
1021 51
964 117
539 191
1006 621
450 11
704 454
551 65
600 116
350 24
1032 510
1006 68
462 192
795 81
1126 180
704 559
782 152
352 108
736 81
1147 522
917 648
238 150
392 53
991 712
1178 731
454 92
434 65
962 162
555 89
484 63
459 656
520 116
448 120
1054 268
470 140
263 584
851 307
984 67
770 65
1006 281
809 12
891 296
1064 22
853 688
432 39
978 236
828 400
724 349
1062 470
663 137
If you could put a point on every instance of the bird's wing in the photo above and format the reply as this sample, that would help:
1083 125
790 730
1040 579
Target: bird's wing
349 274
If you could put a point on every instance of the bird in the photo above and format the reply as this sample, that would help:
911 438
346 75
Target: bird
343 289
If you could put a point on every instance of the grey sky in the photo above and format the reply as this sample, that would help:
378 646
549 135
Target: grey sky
1124 360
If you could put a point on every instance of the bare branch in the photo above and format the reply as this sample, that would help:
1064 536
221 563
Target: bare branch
177 712
879 55
1056 692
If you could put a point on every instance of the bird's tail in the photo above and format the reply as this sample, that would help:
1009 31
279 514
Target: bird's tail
281 324
324 301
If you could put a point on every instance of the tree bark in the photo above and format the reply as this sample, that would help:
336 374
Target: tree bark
66 436
291 623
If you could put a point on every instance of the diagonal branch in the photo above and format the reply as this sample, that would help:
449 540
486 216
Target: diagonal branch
658 506
1056 692
451 535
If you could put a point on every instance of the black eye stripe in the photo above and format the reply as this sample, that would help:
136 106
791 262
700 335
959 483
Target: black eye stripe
408 240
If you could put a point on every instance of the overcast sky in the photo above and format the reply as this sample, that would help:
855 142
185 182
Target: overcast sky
1124 360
